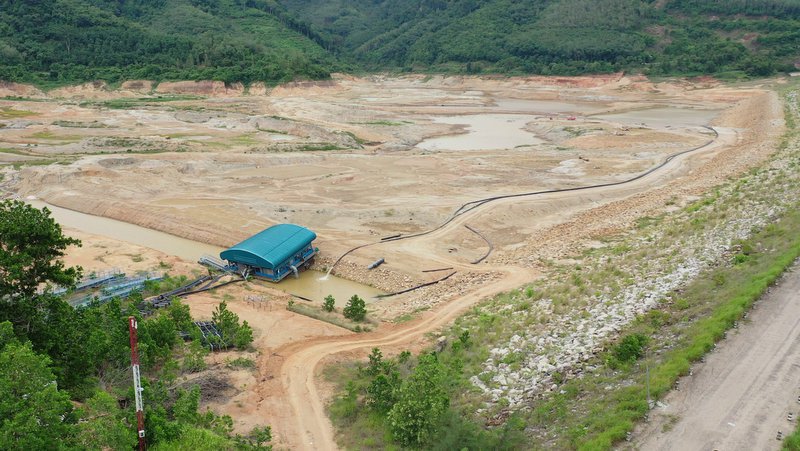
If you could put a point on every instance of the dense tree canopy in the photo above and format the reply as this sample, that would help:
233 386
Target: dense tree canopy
63 41
562 36
52 354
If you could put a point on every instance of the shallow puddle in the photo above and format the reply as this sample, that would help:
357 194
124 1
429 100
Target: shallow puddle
315 286
484 132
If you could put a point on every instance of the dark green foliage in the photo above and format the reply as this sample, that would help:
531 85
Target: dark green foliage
244 336
227 322
50 352
356 309
630 348
561 36
421 402
104 425
34 414
329 303
53 41
260 436
56 42
31 248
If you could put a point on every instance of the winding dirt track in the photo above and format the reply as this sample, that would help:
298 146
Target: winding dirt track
305 425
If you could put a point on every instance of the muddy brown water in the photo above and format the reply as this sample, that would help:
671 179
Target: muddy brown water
310 284
484 132
504 126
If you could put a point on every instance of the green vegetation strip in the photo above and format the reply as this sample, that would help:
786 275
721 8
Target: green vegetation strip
611 418
329 317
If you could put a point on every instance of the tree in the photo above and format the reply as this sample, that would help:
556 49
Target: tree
228 326
30 252
31 248
34 413
382 391
102 425
244 336
194 357
421 402
330 301
375 362
260 436
355 309
227 323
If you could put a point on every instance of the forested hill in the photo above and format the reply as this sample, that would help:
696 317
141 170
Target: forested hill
68 41
64 41
754 37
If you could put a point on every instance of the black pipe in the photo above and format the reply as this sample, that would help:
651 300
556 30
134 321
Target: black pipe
464 208
381 296
491 246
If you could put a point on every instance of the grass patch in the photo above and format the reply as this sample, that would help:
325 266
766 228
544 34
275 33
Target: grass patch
14 151
334 318
10 113
247 139
241 363
75 124
122 104
45 162
50 136
385 123
272 131
319 147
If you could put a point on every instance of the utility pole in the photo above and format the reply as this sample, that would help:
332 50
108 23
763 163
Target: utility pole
137 382
647 380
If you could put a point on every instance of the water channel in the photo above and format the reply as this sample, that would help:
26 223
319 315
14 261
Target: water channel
310 284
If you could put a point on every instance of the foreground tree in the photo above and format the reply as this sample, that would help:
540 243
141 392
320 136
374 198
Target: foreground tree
421 402
31 247
34 414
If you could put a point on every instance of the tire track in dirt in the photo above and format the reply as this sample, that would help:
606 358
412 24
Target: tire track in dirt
305 425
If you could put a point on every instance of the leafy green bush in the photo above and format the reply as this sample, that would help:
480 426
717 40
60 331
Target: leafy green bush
630 348
356 309
329 303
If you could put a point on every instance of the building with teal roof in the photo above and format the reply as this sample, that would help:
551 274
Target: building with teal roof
274 253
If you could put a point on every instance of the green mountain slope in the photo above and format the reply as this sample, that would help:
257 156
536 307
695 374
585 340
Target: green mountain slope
65 41
756 37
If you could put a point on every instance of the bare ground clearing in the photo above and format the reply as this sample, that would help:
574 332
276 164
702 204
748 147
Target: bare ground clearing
217 169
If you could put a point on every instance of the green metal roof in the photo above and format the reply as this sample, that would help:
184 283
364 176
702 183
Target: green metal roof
271 247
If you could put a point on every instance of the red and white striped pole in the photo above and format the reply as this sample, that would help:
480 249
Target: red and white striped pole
137 382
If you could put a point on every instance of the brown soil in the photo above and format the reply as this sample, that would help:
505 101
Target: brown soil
221 168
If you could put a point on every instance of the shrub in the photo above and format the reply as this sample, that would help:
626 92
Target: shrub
630 348
356 309
330 301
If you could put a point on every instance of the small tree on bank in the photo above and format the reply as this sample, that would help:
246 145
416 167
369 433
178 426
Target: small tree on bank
356 309
227 323
330 301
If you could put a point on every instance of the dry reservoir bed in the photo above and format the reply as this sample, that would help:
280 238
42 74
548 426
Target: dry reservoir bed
401 153
360 159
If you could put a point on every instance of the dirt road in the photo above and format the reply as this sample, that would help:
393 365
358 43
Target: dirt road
215 173
739 398
306 425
